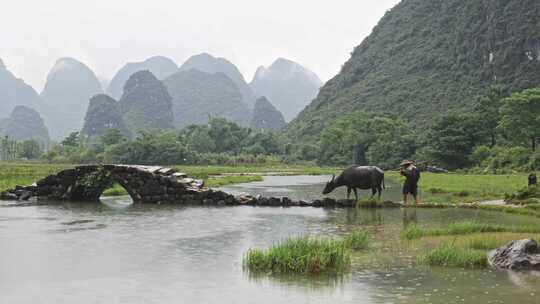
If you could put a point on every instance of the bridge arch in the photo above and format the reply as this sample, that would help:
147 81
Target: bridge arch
145 184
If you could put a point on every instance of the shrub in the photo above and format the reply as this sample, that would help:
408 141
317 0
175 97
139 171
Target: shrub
300 255
451 256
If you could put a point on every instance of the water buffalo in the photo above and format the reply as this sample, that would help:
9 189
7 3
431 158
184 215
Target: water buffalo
354 177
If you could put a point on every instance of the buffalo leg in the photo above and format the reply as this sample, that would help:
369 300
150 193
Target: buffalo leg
355 193
380 192
348 192
373 191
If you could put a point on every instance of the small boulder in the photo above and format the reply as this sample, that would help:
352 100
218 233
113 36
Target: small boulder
516 255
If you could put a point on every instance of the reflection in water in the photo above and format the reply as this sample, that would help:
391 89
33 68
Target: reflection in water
409 217
118 252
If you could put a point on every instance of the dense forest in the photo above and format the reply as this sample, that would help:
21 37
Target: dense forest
426 58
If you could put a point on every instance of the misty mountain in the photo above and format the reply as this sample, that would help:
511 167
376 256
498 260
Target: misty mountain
197 96
103 113
429 57
288 85
266 116
210 64
69 87
146 103
25 123
14 92
161 67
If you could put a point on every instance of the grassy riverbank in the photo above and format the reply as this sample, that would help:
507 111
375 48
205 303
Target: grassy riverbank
465 188
463 244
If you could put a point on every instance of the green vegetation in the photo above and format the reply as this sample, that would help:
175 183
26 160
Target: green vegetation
300 255
412 66
449 255
307 255
465 188
364 138
463 228
357 240
466 251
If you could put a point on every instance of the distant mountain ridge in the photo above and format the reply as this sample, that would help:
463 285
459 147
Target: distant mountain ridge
209 64
15 92
146 103
162 67
289 86
25 123
69 87
198 95
266 116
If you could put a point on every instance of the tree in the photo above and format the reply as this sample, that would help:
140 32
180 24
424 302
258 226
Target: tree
520 116
72 140
452 139
487 112
112 137
364 138
30 149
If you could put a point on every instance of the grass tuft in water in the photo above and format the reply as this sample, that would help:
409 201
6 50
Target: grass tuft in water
357 240
300 255
449 255
467 227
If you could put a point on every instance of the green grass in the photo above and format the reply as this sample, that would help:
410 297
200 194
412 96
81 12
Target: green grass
448 255
300 255
228 180
463 228
357 240
467 251
465 188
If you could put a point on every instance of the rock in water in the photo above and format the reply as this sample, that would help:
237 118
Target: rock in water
103 113
146 103
266 116
161 67
197 96
14 92
289 86
25 124
210 64
516 255
70 85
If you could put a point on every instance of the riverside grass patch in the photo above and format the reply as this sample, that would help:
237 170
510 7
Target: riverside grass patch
448 255
468 251
462 228
304 255
465 188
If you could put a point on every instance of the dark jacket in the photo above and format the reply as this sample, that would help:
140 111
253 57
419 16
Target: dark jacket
412 175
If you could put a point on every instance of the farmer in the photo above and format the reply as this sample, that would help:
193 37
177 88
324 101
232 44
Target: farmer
412 176
533 181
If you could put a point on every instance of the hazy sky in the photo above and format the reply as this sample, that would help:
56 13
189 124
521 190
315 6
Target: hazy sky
105 34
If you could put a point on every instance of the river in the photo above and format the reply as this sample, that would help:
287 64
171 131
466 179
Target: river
117 252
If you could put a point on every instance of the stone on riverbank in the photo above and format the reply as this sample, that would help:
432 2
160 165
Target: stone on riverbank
516 255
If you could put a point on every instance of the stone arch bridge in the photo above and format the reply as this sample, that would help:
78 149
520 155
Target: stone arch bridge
144 184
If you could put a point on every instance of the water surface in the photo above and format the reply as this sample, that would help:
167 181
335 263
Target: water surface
116 252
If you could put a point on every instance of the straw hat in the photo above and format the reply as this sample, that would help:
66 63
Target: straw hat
405 163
